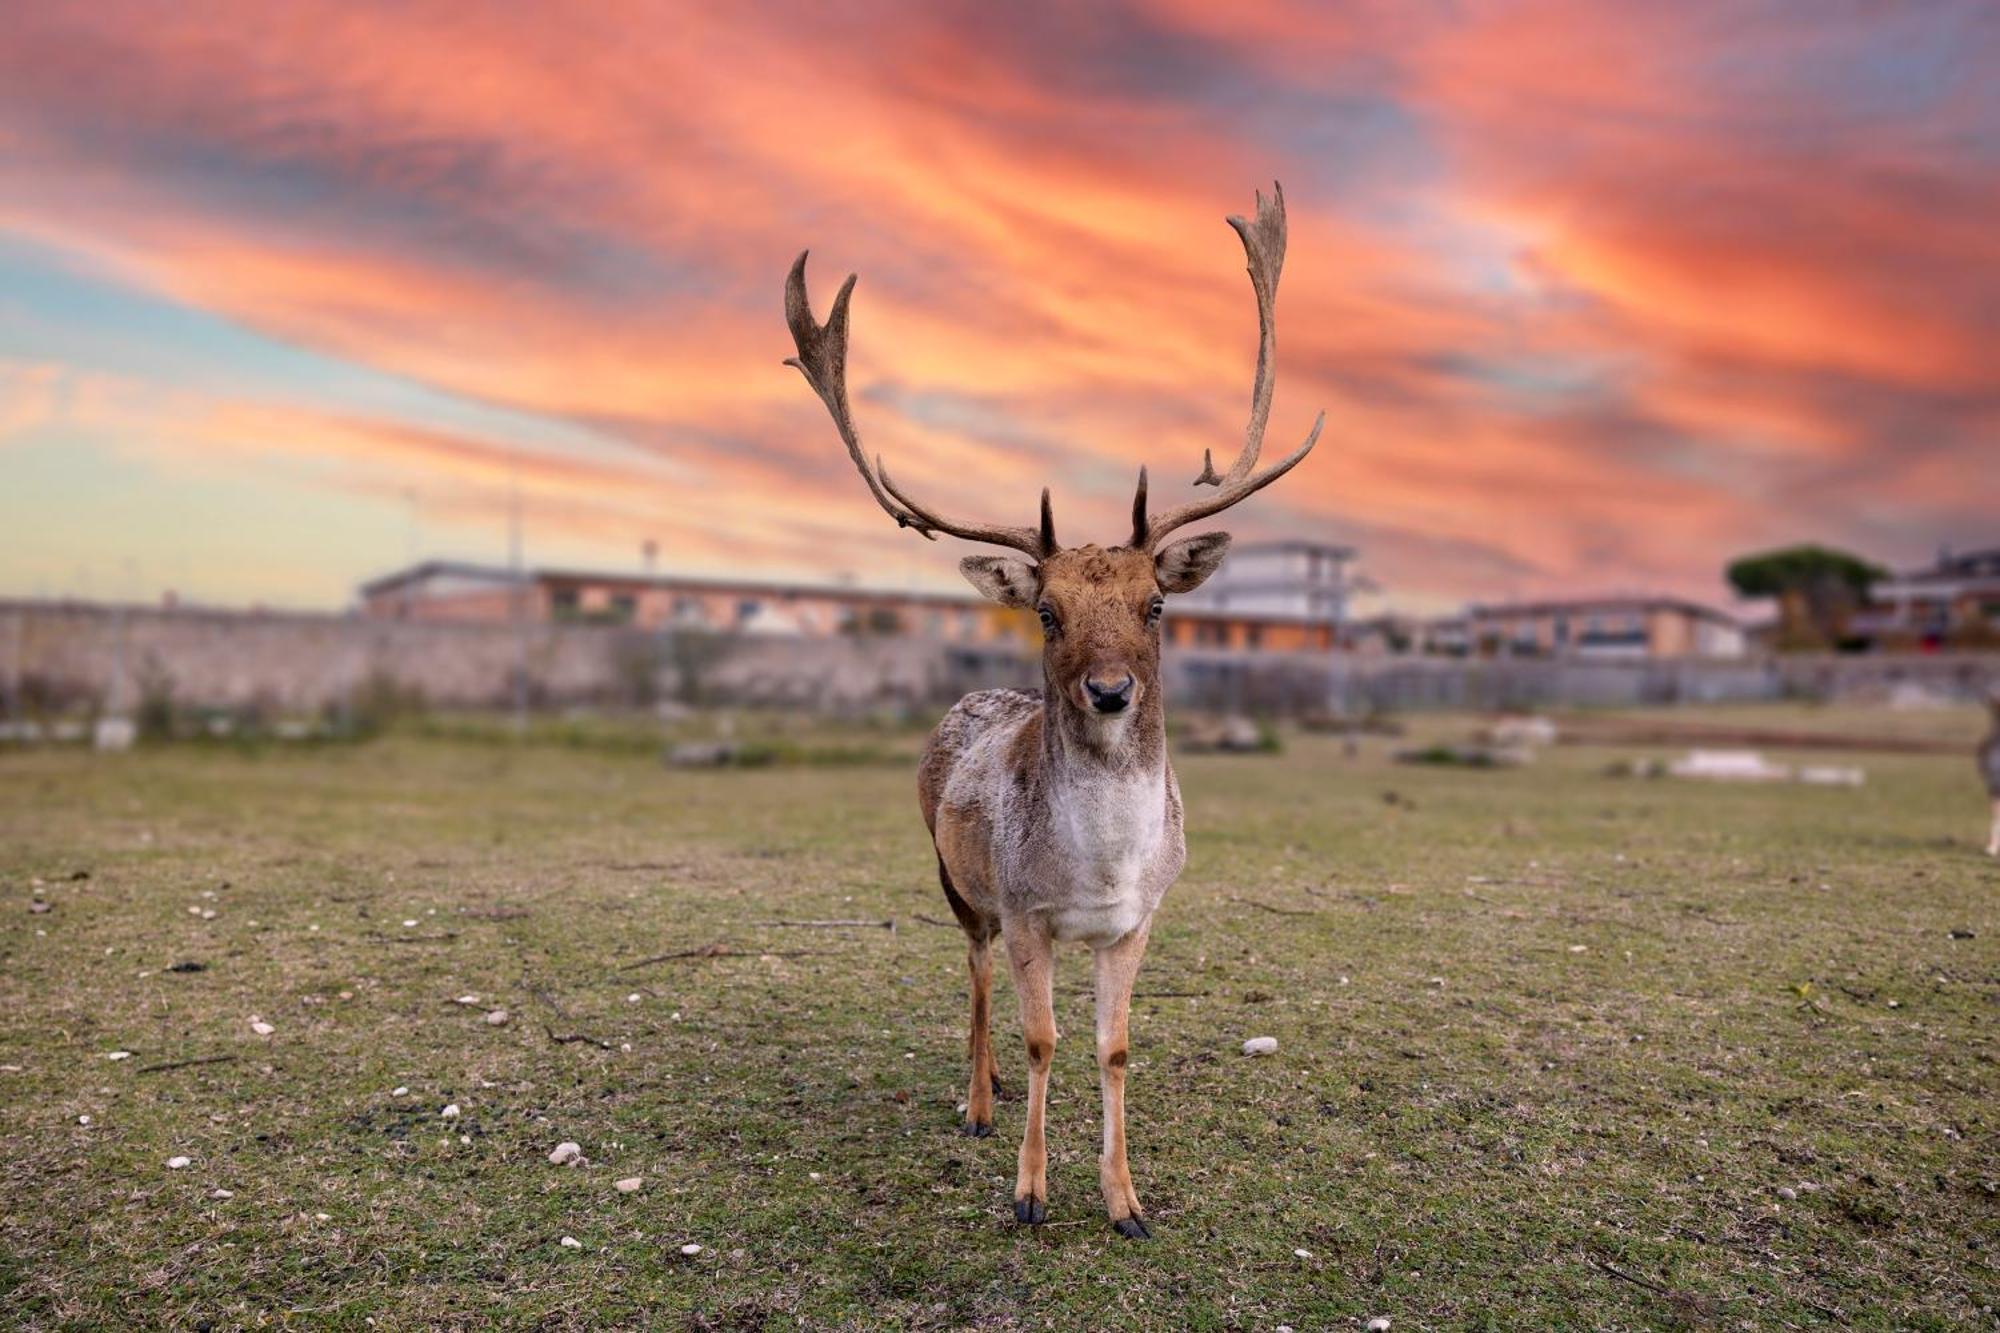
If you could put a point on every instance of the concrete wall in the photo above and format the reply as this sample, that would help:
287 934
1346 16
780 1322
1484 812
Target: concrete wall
75 657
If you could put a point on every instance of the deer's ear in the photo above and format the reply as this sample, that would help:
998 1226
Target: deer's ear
1186 564
1001 579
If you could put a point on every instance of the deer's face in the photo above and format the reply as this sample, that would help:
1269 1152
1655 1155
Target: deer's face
1100 612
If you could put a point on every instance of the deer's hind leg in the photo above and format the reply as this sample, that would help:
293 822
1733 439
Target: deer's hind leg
1993 838
979 931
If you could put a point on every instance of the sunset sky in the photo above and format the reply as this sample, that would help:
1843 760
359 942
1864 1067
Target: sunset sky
1595 295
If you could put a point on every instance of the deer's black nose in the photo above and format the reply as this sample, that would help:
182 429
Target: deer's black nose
1109 697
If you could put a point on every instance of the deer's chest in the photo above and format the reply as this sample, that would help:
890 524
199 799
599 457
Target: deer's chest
1109 844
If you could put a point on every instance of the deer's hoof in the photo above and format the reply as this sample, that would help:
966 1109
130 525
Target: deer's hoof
1131 1228
976 1129
998 1091
1031 1211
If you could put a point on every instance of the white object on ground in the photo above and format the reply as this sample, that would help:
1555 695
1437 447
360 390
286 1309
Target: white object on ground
629 1185
221 1194
179 1163
400 1092
1261 1046
260 1027
1379 1324
1729 766
118 1055
567 1154
1832 775
498 1018
690 1249
571 1243
450 1112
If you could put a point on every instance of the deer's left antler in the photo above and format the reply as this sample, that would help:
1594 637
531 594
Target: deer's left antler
1264 246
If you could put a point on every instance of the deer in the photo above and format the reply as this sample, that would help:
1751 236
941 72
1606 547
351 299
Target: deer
1989 769
1055 814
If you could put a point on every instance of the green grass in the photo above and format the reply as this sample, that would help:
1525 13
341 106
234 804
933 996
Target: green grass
1550 1045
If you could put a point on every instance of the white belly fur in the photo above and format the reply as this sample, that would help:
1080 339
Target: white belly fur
1111 835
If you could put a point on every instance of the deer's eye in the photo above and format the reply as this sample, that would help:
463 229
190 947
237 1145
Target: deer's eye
1049 622
1155 609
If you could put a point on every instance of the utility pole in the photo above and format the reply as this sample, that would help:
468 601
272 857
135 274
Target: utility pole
518 602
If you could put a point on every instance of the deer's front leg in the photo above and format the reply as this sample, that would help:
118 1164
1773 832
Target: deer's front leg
1031 955
1117 967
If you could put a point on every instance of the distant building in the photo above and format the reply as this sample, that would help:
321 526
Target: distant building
1297 580
1602 628
1954 603
443 590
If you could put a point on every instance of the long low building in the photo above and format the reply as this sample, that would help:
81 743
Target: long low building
1601 628
444 590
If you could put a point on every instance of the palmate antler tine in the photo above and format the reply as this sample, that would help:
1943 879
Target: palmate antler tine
1264 247
822 359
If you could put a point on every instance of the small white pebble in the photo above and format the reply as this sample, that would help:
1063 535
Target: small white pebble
195 910
1380 1323
566 1153
1787 1193
409 921
571 1243
812 1175
400 1092
1579 948
208 914
260 1027
83 1120
463 999
633 998
118 1055
1344 981
322 1217
1261 1046
179 1163
1302 1254
221 1194
465 1139
629 1185
497 1018
450 1112
690 1249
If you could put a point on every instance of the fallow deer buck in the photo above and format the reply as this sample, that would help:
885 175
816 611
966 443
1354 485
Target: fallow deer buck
1056 815
1989 769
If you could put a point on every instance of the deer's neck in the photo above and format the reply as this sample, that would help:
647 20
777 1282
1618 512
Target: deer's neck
1130 745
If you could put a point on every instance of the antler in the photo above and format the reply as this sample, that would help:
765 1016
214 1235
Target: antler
1264 246
822 359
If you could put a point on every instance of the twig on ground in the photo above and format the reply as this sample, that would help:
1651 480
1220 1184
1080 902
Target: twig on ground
1274 911
936 921
838 923
439 938
567 1039
1633 1278
184 1064
1169 994
720 950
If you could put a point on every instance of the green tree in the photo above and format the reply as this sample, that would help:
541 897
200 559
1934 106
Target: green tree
1817 589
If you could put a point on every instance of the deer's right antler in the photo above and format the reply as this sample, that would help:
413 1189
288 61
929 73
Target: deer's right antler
822 359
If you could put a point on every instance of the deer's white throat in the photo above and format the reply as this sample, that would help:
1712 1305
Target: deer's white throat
1111 827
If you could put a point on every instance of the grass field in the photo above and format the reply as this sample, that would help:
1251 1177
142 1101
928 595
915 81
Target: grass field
1557 1050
